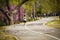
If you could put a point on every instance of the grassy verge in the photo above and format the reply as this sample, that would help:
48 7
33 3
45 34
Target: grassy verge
4 35
54 23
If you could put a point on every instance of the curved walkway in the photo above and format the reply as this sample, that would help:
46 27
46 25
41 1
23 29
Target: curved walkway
35 30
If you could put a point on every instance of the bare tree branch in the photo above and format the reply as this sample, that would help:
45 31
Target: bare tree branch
24 1
4 13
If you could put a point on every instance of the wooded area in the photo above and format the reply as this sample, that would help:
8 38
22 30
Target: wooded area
12 11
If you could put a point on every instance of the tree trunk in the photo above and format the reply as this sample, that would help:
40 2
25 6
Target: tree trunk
19 14
10 12
35 14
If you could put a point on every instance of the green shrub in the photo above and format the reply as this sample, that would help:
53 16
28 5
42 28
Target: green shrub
2 24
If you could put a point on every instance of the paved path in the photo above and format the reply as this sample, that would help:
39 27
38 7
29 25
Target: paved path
35 30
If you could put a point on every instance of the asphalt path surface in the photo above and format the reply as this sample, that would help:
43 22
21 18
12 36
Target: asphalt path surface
35 30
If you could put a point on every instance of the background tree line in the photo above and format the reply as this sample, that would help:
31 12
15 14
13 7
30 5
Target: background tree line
30 7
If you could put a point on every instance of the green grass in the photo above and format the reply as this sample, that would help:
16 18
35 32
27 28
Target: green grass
5 36
55 23
2 24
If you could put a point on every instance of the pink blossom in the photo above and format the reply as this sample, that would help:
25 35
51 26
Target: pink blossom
12 7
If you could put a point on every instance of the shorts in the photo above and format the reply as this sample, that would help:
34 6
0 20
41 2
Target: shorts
24 21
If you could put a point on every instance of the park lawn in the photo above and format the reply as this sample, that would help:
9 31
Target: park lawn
55 23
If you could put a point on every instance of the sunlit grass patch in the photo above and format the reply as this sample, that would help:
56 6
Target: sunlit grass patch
55 23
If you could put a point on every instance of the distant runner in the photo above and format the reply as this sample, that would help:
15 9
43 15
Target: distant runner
24 19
